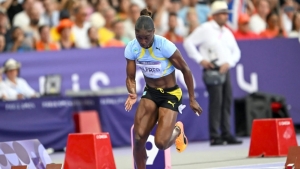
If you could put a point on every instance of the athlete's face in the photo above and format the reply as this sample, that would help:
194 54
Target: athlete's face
145 38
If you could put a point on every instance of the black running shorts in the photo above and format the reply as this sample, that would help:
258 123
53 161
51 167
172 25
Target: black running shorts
169 98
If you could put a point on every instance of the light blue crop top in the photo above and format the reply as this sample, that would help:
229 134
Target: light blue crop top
153 61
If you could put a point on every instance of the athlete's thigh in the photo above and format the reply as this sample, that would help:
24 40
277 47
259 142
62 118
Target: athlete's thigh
166 123
145 117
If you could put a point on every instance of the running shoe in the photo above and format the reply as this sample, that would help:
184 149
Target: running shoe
181 141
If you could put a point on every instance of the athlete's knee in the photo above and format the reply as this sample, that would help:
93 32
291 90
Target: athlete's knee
161 144
139 142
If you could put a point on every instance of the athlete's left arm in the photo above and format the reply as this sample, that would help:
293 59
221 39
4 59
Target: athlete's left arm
179 63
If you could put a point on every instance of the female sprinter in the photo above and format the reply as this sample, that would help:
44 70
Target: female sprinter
157 57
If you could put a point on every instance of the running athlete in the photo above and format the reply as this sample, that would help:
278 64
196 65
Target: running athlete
157 58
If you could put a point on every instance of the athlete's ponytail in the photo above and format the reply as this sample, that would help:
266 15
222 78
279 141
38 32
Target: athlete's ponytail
145 12
145 21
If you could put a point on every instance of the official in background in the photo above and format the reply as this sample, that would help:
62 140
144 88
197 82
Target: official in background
17 84
6 93
218 53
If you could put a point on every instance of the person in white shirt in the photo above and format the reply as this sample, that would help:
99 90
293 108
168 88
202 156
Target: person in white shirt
80 28
6 93
22 19
258 21
218 44
51 15
19 85
129 24
295 33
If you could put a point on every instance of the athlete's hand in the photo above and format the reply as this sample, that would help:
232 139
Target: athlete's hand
130 101
195 107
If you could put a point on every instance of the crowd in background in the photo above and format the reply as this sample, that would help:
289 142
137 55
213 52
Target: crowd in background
40 25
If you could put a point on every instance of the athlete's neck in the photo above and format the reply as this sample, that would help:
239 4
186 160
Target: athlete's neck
150 43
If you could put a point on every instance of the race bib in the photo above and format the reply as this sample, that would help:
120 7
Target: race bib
150 68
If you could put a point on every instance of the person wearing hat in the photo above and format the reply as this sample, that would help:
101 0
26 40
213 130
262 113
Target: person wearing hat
66 39
17 84
243 31
6 93
218 53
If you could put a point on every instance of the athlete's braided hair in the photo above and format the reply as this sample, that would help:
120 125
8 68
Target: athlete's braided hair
145 21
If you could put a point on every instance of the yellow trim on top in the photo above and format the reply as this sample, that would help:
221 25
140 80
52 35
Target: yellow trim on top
177 93
153 56
142 54
168 66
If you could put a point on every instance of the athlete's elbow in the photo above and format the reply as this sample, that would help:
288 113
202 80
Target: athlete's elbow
185 70
130 78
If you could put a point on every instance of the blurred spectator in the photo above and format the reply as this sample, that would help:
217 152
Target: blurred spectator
93 37
171 34
51 15
19 43
97 20
106 33
274 4
64 14
258 21
4 26
192 20
6 93
140 3
3 87
65 4
16 83
114 3
22 19
55 36
295 33
2 43
32 29
250 8
129 23
151 5
119 40
12 7
123 9
88 7
202 11
159 14
80 27
175 6
273 27
185 2
64 29
243 31
287 15
45 42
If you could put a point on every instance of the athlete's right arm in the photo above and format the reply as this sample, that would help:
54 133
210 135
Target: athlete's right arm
130 79
130 84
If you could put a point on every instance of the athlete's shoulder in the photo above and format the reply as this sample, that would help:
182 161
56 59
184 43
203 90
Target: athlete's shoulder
162 41
133 43
131 50
167 47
